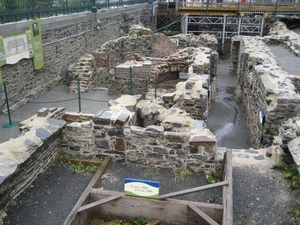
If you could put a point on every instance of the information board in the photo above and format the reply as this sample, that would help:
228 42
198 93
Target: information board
23 45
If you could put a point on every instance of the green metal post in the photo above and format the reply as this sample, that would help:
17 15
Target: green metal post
130 80
79 100
152 11
67 6
156 81
10 124
7 104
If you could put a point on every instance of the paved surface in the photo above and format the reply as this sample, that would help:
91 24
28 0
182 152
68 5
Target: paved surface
91 102
286 60
226 119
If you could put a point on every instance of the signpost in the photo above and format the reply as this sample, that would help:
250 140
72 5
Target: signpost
141 188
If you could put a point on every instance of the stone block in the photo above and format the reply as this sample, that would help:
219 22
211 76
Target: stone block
117 132
199 139
139 131
42 112
160 150
154 131
122 119
120 144
102 118
102 143
176 136
42 134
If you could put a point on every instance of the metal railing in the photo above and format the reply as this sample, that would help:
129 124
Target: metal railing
17 10
207 7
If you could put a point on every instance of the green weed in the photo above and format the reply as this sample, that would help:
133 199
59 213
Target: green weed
120 222
212 177
139 221
289 172
180 174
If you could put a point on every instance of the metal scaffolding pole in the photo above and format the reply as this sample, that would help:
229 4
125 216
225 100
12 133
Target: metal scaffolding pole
224 30
184 24
239 27
262 26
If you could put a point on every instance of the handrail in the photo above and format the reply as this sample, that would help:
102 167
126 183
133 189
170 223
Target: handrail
238 7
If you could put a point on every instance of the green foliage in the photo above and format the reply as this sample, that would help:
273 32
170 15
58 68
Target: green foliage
297 213
289 172
77 167
212 177
120 222
139 221
180 174
91 168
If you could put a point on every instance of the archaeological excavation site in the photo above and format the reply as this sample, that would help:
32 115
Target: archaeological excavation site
169 104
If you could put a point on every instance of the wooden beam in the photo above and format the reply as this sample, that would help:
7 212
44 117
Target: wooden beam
170 211
106 193
227 192
101 170
83 161
100 202
192 190
203 215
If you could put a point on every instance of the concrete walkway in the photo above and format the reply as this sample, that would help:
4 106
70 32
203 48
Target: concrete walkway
91 102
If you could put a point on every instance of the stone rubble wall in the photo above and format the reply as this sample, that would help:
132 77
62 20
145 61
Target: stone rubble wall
65 40
288 138
191 96
199 60
190 40
264 89
145 132
142 44
85 70
279 33
24 158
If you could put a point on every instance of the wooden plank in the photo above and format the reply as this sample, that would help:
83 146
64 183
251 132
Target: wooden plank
229 200
223 166
169 211
175 201
100 202
83 161
101 170
203 215
192 190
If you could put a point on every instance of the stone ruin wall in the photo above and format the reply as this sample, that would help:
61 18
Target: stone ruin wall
144 132
140 46
263 86
280 34
167 131
65 40
24 158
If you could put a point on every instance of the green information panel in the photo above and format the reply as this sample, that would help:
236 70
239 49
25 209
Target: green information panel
36 39
18 46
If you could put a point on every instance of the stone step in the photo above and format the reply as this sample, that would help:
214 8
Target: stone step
249 157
